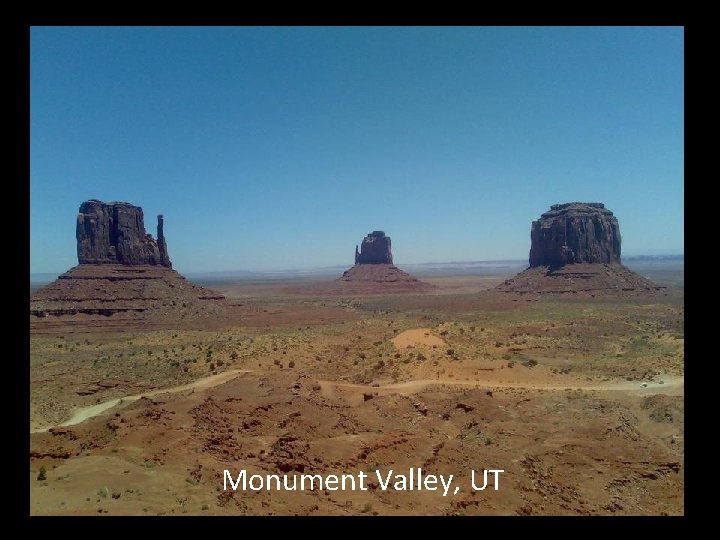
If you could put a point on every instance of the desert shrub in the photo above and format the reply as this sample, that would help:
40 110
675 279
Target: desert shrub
291 364
233 355
450 352
42 475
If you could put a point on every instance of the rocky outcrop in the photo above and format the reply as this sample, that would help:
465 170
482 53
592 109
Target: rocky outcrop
575 251
374 271
575 233
114 233
124 280
162 245
375 249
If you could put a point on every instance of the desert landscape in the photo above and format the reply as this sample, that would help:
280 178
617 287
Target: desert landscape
145 387
363 271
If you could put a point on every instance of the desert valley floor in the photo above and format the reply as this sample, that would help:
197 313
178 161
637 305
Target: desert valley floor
578 400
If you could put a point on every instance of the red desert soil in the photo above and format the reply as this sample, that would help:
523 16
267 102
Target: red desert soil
580 402
417 337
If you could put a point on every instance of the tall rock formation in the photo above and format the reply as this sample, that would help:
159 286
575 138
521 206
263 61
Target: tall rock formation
575 233
124 279
162 245
374 271
375 249
114 233
575 249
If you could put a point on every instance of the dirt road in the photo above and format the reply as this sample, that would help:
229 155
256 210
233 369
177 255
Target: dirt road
670 384
85 413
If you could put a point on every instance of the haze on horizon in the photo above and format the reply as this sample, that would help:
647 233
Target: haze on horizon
278 148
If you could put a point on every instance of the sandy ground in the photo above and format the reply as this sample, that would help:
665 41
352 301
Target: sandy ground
580 403
418 337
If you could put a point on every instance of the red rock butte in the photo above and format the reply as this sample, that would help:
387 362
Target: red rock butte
374 271
124 278
575 250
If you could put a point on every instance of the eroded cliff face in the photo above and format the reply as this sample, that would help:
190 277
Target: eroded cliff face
114 233
575 233
375 249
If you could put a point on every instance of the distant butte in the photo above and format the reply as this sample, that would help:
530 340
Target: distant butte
575 249
375 249
374 271
124 278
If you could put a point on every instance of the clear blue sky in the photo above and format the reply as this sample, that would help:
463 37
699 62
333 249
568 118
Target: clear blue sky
277 148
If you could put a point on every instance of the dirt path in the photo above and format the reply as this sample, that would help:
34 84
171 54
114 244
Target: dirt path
328 388
85 413
670 384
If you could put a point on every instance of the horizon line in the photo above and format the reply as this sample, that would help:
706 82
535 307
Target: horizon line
343 265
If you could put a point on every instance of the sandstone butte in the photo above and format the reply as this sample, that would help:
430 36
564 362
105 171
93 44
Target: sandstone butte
374 271
575 250
124 278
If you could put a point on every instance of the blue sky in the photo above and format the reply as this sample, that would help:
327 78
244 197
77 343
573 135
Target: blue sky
277 148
